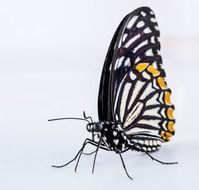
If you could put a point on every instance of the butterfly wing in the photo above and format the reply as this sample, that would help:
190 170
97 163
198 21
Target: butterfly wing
136 92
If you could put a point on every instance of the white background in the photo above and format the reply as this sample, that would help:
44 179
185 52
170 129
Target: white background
51 56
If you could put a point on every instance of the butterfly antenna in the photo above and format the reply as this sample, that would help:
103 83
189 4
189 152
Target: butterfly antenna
75 118
87 117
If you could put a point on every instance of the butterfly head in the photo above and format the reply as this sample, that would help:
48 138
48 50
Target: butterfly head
94 127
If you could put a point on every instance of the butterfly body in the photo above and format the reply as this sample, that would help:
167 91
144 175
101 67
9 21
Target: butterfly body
113 138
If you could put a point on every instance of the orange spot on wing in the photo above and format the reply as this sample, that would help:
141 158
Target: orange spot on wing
153 71
166 135
141 67
161 83
167 96
170 113
170 126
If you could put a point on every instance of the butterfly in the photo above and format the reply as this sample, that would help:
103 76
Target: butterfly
134 106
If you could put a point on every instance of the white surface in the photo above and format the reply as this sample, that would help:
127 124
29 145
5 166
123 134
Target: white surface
51 56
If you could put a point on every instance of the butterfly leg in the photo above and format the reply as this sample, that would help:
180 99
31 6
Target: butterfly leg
79 152
89 153
98 145
167 163
87 141
124 166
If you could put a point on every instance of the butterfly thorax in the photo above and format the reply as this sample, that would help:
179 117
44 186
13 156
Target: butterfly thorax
111 135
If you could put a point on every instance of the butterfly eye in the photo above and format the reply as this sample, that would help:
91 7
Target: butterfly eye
89 127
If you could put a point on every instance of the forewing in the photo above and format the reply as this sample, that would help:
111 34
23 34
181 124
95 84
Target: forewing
128 46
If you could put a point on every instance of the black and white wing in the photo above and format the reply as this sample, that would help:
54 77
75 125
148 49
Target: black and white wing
137 94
